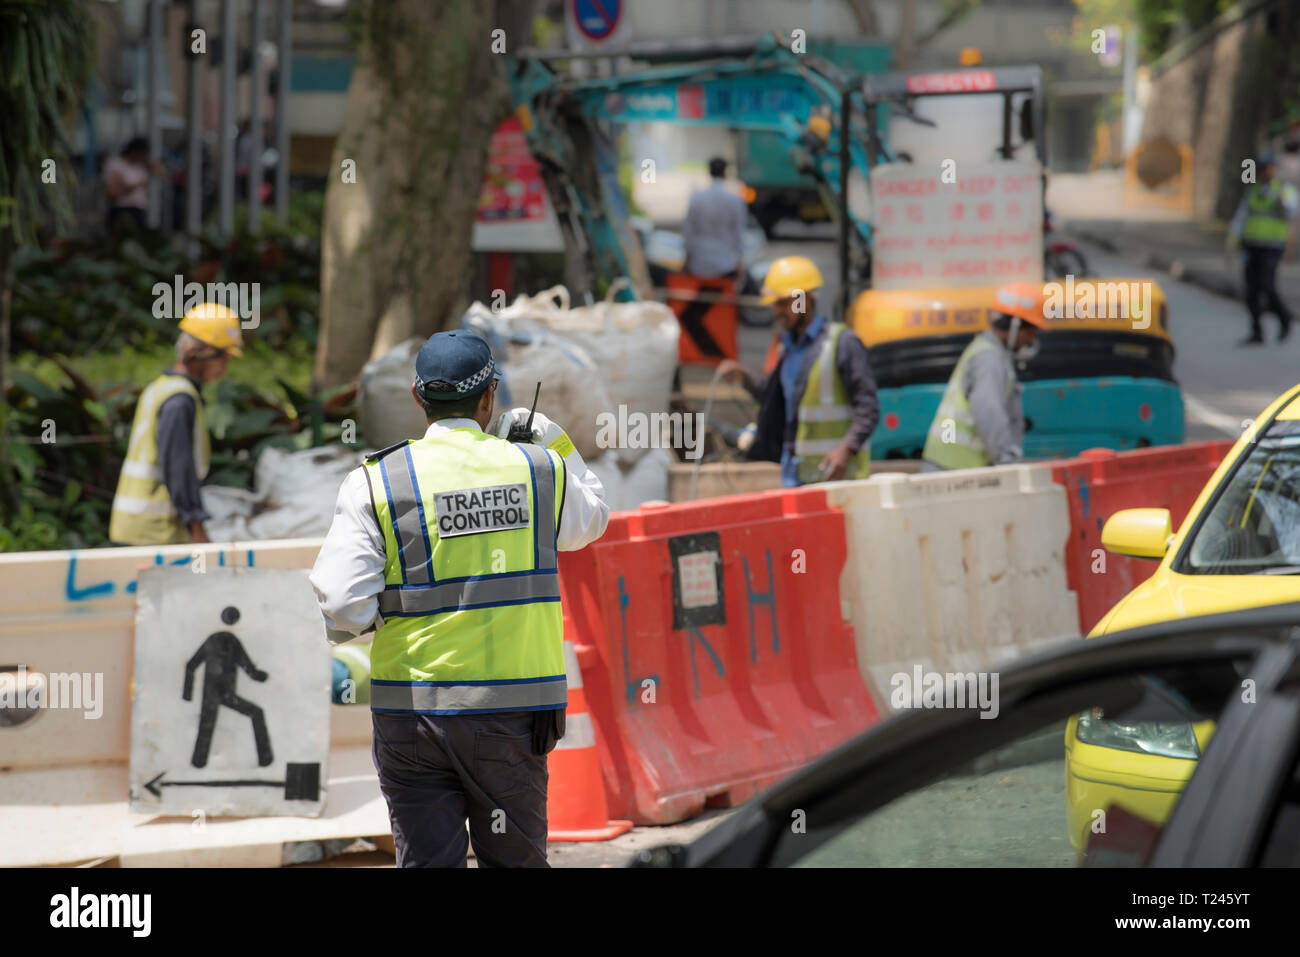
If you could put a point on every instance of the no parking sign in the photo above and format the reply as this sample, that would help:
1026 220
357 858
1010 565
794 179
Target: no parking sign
594 21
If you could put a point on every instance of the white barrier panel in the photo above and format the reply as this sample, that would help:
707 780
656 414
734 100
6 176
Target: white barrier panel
73 815
955 571
73 612
63 793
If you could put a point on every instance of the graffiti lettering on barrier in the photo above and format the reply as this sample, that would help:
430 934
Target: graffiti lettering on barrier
767 598
78 593
631 685
696 588
694 634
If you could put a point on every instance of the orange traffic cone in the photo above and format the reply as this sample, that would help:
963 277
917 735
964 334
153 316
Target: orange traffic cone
575 798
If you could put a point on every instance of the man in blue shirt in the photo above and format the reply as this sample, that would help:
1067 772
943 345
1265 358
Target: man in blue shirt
819 407
714 228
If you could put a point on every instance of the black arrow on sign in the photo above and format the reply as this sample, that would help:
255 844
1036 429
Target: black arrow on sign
301 783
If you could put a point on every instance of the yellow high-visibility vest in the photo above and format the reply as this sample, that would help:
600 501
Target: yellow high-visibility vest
825 415
471 618
143 513
1266 220
966 450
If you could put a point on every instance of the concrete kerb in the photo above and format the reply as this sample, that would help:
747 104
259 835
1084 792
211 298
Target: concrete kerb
1217 281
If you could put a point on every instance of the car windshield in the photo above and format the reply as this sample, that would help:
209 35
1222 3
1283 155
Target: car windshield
1253 527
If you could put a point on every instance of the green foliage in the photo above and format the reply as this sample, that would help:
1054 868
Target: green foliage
86 342
65 455
45 57
80 296
1158 20
67 484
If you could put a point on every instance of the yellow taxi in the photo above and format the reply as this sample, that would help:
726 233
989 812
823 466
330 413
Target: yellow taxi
1239 547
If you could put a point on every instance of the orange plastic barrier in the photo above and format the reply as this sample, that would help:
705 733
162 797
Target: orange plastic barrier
713 649
575 796
710 330
1101 482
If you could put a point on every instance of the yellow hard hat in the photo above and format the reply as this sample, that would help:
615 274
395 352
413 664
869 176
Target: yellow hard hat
216 325
788 275
1022 299
820 127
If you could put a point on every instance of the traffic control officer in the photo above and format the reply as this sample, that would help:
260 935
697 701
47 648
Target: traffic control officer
157 500
980 420
445 546
1262 227
819 406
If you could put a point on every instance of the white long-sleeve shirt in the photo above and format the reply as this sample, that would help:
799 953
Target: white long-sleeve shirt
349 571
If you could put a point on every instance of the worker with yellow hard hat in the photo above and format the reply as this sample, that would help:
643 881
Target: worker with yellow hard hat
157 500
818 407
980 420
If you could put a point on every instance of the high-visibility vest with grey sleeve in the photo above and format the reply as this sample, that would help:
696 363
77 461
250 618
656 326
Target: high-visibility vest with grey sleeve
1267 223
143 513
953 441
470 609
825 415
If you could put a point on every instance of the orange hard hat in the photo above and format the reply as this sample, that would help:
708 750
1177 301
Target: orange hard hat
1021 299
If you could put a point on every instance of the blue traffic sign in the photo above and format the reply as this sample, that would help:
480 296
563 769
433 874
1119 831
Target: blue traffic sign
597 19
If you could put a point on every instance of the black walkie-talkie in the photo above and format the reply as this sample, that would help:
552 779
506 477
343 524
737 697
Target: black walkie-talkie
524 433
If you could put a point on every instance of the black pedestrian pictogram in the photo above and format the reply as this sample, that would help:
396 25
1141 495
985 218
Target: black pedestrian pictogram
221 654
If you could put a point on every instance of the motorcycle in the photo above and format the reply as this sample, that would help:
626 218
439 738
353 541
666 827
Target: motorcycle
1061 257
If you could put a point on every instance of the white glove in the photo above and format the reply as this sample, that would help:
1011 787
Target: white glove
545 432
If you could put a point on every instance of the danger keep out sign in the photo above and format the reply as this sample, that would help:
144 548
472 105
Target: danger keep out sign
982 229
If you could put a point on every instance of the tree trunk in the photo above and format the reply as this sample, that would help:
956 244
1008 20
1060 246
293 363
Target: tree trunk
426 94
864 14
906 27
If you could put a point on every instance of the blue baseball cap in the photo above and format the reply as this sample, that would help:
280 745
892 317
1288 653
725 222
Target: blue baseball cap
458 359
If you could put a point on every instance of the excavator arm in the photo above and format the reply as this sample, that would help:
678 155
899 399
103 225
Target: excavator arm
750 85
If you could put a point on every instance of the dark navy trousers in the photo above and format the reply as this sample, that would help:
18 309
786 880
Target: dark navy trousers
437 771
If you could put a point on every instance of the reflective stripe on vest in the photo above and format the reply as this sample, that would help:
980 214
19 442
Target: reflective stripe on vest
825 416
457 638
471 697
1266 219
966 449
143 513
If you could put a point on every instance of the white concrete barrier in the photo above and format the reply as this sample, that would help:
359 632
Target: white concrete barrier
954 571
74 612
63 783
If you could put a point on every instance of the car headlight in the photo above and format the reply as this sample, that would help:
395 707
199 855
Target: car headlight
1168 739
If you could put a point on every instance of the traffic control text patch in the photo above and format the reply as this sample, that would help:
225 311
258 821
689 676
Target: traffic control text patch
471 511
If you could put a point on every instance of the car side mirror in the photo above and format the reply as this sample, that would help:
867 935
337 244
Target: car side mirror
1138 532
